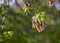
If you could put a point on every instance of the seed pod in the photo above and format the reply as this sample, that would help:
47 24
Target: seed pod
51 3
38 24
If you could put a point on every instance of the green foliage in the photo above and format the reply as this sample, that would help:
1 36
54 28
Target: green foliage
40 16
17 27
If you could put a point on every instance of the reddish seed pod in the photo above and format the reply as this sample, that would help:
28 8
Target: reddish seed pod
37 24
51 3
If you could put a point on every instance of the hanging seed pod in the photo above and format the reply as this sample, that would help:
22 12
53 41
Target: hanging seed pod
51 3
34 21
27 6
39 26
37 23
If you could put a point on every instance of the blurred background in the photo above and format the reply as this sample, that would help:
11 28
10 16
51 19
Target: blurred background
16 22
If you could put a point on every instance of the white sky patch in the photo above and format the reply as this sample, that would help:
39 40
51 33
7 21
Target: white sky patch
11 3
1 2
57 5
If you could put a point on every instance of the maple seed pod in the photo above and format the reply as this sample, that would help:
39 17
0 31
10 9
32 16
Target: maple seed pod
38 24
27 5
51 3
34 21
